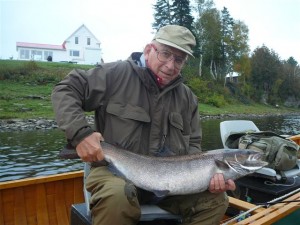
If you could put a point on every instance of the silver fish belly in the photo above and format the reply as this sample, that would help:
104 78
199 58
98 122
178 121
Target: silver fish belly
179 175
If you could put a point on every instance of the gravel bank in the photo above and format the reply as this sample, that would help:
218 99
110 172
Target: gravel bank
46 124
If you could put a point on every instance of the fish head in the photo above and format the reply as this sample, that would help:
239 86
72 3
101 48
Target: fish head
241 162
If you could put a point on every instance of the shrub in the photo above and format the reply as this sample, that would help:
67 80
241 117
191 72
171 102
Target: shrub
216 100
199 87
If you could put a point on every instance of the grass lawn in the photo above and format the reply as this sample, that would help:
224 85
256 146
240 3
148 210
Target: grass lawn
27 100
258 109
26 86
24 100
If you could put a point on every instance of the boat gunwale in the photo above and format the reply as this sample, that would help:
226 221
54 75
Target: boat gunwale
39 180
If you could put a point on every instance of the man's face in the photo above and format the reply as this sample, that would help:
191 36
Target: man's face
164 61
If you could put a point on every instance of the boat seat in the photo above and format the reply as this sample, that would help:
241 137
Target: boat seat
79 215
230 127
148 212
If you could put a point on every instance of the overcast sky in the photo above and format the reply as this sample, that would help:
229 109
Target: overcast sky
124 26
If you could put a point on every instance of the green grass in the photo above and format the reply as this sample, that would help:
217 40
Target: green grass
24 100
14 64
26 86
236 108
25 91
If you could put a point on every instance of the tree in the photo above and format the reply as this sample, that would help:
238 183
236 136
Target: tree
291 83
240 54
162 14
174 12
210 37
239 42
293 67
222 40
201 6
266 72
227 24
182 13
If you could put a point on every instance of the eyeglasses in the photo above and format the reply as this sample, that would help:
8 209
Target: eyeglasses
166 56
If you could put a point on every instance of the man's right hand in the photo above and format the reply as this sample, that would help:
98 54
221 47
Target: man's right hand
89 149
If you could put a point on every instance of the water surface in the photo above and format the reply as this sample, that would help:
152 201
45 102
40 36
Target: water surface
34 153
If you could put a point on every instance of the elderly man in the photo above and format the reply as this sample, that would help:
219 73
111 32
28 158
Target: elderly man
142 105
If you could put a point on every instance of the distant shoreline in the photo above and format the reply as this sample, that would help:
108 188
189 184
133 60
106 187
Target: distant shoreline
9 125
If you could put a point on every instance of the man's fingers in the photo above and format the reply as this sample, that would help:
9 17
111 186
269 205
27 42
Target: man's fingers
230 185
221 182
89 149
218 184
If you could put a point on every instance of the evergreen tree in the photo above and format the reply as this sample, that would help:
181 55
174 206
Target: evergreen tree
226 44
162 14
174 12
182 13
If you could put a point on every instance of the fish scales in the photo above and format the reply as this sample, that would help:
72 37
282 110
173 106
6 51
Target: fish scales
177 175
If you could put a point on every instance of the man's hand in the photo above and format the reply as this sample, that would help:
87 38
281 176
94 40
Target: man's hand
218 184
89 149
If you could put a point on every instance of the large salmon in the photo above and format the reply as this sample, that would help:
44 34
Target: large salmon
179 175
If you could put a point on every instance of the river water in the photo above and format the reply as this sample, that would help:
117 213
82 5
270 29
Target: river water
34 153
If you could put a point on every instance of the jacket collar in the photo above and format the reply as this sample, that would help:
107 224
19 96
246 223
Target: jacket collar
138 62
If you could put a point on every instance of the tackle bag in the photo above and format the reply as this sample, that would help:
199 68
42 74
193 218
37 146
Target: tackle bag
279 152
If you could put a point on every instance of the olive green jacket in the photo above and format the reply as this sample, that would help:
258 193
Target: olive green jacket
130 109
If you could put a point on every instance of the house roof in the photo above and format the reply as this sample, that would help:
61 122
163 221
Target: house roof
41 46
53 47
82 26
232 74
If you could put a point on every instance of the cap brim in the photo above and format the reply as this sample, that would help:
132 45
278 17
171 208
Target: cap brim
162 41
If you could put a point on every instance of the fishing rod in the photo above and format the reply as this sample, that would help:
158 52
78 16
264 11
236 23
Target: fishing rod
267 204
273 202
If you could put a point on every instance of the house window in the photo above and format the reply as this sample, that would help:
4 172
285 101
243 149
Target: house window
88 41
47 54
74 53
76 40
36 55
24 54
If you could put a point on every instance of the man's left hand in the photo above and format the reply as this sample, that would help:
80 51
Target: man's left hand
218 184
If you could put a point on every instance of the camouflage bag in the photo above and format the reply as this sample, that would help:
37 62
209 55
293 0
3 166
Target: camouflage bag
280 153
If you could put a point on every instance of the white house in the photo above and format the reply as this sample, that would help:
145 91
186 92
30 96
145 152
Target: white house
232 77
80 47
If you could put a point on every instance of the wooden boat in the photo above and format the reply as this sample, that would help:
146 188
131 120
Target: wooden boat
48 200
41 200
295 138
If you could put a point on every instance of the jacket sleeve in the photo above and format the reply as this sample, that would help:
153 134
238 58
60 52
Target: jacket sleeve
79 92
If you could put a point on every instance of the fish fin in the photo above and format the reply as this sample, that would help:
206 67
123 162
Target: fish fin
115 171
161 194
221 164
158 196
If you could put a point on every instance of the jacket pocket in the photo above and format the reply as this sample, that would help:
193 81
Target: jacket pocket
128 111
125 125
178 138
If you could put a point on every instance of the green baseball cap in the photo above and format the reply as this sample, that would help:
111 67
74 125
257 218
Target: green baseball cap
176 36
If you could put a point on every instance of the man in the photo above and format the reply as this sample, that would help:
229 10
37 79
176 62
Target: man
142 105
